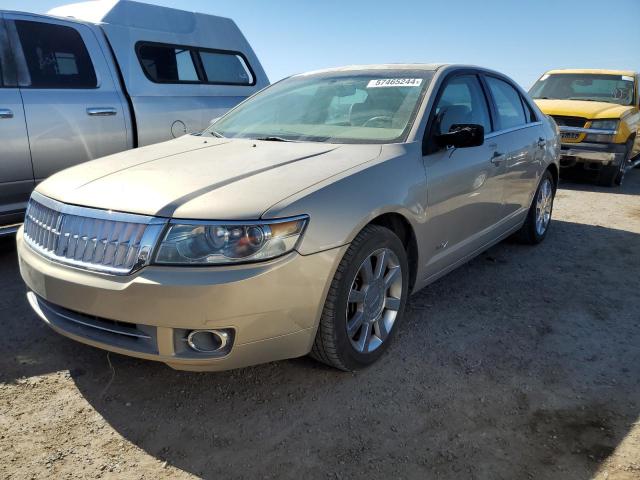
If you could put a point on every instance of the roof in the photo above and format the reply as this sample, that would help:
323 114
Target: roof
629 73
134 14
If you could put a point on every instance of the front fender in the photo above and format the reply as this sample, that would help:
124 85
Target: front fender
341 206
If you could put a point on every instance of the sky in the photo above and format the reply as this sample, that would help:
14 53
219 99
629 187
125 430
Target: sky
521 38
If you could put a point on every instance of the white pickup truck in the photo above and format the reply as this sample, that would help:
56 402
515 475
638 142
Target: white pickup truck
95 78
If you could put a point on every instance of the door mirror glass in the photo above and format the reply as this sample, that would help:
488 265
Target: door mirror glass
462 135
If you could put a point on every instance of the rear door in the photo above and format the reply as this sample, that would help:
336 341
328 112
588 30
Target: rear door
16 174
72 107
464 184
520 139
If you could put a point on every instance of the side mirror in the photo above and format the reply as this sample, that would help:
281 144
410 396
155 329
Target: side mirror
462 135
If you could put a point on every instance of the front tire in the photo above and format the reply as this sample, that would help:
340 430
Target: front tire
538 219
365 302
613 175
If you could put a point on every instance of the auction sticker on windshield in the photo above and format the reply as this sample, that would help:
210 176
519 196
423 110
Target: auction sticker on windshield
395 82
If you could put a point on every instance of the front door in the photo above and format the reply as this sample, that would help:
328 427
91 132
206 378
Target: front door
72 107
16 174
464 184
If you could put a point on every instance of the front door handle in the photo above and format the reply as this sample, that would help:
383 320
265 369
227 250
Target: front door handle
6 113
101 111
497 158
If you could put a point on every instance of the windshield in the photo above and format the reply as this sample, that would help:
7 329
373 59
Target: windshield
355 108
590 87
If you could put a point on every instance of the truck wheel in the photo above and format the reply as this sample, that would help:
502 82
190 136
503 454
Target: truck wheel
538 219
608 176
614 175
365 302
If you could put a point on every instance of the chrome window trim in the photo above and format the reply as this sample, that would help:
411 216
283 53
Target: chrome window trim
512 129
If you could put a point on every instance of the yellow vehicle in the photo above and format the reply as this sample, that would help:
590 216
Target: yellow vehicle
598 116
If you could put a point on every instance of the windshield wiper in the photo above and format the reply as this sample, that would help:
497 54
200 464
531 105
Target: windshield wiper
273 139
216 134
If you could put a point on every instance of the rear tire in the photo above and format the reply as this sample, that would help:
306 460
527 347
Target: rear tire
538 219
365 302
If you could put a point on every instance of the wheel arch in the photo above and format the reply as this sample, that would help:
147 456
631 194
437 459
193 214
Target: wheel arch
555 173
401 226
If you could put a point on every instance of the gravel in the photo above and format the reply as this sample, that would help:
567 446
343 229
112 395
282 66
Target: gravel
524 363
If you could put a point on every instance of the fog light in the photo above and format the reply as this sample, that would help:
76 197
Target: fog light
208 341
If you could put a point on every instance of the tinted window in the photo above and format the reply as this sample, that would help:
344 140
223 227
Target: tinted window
578 86
531 114
462 101
56 56
166 64
4 48
225 68
507 99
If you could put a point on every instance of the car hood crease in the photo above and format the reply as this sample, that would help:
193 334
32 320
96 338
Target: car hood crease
190 179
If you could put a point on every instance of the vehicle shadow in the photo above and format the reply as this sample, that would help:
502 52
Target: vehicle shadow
521 364
587 182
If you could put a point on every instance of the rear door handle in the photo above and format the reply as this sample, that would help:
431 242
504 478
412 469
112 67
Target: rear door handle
101 111
6 113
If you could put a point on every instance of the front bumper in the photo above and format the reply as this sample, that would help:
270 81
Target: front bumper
591 156
272 308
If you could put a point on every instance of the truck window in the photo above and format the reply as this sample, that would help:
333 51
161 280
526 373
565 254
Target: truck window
167 64
56 56
226 68
163 63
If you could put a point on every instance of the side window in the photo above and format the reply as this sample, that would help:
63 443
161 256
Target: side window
462 101
531 114
165 64
508 103
179 64
56 56
226 68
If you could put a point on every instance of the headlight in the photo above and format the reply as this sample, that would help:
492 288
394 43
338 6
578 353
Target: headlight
602 125
216 243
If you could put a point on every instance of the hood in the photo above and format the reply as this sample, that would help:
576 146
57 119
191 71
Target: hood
581 108
203 178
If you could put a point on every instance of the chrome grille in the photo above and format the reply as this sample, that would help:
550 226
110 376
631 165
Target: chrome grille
100 240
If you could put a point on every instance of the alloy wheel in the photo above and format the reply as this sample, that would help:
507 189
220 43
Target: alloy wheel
374 300
544 204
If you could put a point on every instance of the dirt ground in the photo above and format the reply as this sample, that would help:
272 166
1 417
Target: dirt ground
523 364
